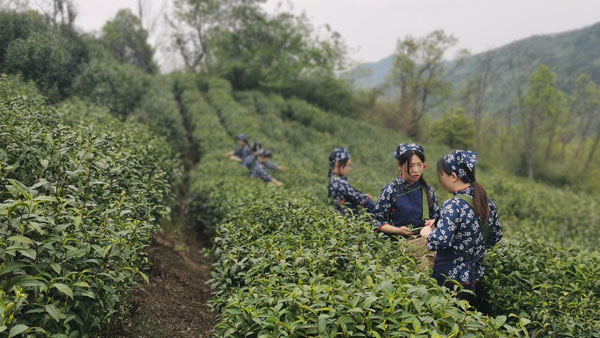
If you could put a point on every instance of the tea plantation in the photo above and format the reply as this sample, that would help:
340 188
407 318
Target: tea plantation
81 198
82 195
288 265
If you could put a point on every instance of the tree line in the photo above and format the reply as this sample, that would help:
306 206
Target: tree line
541 131
554 132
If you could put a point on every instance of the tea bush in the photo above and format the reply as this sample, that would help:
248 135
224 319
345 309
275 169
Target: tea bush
556 288
561 216
81 196
159 110
289 266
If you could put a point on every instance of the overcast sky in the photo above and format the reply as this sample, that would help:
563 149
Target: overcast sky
372 27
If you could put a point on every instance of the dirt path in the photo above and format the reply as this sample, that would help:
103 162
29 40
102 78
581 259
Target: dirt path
173 304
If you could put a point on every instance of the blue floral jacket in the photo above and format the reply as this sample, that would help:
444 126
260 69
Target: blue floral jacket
242 152
460 241
251 158
344 195
259 170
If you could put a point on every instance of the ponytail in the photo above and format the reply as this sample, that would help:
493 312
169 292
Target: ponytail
480 201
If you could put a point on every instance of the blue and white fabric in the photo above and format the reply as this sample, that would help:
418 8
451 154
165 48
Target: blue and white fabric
386 209
460 241
345 196
461 161
404 147
242 152
339 154
247 162
258 170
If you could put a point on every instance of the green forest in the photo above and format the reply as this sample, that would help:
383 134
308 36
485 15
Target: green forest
100 152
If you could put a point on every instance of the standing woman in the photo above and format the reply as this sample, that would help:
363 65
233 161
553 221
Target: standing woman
468 224
408 202
345 197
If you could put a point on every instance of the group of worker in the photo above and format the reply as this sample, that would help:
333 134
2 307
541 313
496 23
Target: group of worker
459 231
255 158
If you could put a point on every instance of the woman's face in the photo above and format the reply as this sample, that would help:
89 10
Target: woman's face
450 182
412 170
344 170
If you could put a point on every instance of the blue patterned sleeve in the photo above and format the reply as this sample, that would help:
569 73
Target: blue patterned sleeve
434 209
271 165
261 172
353 194
248 161
383 208
495 225
239 152
442 235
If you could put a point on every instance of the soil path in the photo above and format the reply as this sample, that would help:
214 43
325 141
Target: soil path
173 304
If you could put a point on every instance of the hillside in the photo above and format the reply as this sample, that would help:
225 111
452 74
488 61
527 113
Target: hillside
121 214
285 262
297 268
568 54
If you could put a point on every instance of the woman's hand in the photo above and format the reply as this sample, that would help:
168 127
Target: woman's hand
427 229
404 230
430 222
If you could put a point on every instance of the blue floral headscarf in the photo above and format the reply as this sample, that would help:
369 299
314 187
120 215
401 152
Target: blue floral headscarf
404 147
242 137
461 161
339 154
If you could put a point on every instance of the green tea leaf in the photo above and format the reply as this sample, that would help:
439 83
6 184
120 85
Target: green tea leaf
20 239
17 329
64 289
55 313
45 198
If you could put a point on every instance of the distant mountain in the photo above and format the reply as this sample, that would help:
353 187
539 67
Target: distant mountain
374 73
567 54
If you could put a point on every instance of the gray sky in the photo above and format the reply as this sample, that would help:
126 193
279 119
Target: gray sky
372 27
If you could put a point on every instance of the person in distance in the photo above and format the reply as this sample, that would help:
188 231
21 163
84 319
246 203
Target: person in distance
259 170
243 150
344 196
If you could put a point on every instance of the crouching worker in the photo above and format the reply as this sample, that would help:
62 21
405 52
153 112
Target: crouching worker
408 203
468 224
242 151
344 196
256 149
259 170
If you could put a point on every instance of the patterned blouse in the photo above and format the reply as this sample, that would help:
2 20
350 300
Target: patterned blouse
344 195
385 204
460 241
251 158
259 170
242 152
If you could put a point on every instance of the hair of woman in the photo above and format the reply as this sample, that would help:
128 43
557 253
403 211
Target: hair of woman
480 200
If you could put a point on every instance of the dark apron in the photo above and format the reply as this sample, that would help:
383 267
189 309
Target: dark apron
408 209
